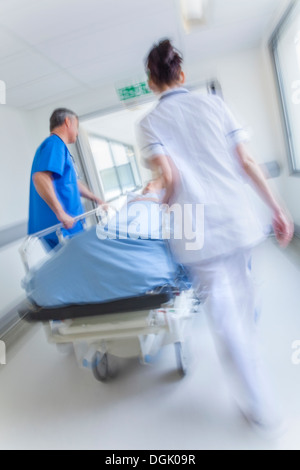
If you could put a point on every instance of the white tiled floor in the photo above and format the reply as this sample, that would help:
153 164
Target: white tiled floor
47 402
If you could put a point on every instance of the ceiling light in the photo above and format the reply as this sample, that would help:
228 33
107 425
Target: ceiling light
193 12
2 92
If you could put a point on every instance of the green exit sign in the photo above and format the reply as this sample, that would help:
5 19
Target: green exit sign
133 91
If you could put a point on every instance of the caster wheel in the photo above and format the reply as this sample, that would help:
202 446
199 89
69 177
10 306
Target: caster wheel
100 367
181 359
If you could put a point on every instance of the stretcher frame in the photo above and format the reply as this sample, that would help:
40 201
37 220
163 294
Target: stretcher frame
137 327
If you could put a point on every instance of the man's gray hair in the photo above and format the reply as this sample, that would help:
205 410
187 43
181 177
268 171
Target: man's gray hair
59 116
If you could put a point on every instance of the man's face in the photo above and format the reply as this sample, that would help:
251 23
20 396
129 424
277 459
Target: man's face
73 127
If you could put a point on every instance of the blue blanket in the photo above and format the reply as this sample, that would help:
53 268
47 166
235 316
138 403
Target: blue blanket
90 270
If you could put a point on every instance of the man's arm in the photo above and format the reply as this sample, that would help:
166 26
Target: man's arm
44 185
86 193
282 222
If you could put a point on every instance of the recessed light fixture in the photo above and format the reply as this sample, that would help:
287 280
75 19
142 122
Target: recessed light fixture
2 92
193 13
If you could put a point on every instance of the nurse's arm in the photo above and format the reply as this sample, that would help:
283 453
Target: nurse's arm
162 165
282 222
43 183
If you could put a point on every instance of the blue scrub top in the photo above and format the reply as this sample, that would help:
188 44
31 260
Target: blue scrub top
53 156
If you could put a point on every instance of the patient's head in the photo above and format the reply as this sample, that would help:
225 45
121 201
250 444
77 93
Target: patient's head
153 191
155 186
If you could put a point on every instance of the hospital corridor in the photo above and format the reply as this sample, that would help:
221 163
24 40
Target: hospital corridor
49 403
150 227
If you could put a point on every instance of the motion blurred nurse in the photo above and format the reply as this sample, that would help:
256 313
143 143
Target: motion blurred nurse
197 145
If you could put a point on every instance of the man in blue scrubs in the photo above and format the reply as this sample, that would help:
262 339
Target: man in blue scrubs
55 192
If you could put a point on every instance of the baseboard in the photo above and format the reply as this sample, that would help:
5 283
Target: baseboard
15 332
10 322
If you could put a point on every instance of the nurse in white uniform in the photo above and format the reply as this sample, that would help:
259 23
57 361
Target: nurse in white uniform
197 145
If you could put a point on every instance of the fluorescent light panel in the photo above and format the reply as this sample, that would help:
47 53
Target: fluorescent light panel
2 92
193 13
193 10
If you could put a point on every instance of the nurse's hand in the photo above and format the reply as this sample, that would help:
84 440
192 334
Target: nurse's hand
170 190
67 221
283 227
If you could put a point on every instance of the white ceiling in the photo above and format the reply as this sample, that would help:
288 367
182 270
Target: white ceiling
54 49
119 125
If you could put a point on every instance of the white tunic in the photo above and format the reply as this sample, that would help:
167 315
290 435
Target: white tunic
199 134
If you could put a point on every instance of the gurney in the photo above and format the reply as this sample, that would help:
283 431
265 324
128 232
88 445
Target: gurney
126 327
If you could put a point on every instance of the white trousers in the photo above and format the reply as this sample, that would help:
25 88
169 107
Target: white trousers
226 285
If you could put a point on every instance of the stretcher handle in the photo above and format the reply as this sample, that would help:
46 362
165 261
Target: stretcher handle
99 211
55 228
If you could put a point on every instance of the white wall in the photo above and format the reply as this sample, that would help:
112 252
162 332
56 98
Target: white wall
94 101
11 275
16 154
290 184
245 88
291 194
17 146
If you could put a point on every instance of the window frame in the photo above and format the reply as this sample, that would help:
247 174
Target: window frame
294 170
115 166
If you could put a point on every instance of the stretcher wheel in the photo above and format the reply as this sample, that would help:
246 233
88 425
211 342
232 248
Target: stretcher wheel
181 359
100 367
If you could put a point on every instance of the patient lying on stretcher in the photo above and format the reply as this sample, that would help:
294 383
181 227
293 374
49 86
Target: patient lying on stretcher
125 258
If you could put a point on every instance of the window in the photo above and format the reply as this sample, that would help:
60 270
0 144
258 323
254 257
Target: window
285 45
116 166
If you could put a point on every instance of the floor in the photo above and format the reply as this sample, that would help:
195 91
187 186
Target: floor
48 402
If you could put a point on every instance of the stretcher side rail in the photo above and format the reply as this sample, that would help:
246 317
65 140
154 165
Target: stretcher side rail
98 212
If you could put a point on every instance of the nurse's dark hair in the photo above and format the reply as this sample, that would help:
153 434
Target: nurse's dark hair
164 63
59 116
